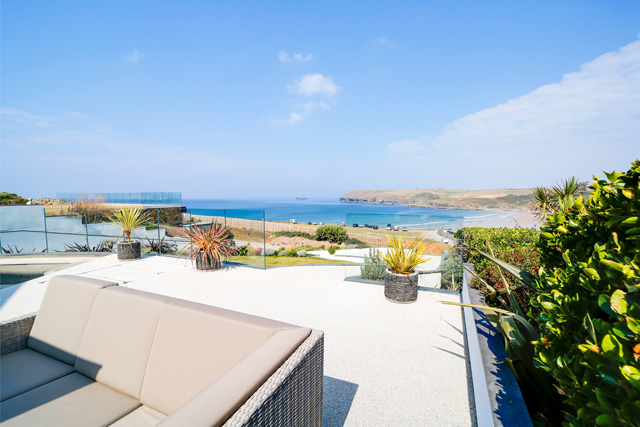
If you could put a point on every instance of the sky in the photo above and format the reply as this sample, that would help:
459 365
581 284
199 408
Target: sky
283 99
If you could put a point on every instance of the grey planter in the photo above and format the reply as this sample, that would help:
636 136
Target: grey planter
206 264
128 250
401 288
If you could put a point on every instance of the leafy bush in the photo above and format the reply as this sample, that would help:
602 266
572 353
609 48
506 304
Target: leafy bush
374 267
294 234
243 250
589 302
332 249
515 246
301 253
269 252
331 233
354 241
258 251
11 199
451 271
283 252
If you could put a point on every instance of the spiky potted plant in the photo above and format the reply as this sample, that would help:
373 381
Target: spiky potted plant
127 220
209 245
401 277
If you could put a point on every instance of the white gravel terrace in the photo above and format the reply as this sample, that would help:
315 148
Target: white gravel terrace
386 364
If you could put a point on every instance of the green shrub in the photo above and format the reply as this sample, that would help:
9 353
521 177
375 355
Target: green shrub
283 252
293 252
331 233
11 199
243 250
332 249
301 253
269 252
293 234
374 267
589 302
515 246
450 269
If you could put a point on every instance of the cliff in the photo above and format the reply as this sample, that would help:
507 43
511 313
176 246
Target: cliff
500 199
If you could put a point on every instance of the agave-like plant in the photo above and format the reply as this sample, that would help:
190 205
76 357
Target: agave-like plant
212 242
401 260
128 219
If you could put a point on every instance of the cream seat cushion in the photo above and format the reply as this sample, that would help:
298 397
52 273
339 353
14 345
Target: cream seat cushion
141 417
74 400
27 369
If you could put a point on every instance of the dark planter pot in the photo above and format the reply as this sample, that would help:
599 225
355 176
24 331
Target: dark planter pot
128 250
401 288
206 264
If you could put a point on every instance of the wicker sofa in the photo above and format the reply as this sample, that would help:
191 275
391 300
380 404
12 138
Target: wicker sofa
100 354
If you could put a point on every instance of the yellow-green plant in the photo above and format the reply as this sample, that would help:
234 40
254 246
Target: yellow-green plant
401 260
128 219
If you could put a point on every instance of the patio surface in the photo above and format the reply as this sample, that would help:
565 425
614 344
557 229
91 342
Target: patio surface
385 364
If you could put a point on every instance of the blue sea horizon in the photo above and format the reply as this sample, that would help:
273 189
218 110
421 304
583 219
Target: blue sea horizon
332 211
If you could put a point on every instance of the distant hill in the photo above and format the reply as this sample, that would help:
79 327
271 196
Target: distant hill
501 199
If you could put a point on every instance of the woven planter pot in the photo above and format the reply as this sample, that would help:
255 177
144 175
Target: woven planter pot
128 250
401 288
206 264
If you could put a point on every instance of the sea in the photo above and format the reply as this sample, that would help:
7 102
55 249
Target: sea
332 211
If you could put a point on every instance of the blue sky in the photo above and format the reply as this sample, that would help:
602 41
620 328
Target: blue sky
281 99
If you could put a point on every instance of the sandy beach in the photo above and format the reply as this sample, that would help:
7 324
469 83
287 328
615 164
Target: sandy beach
524 219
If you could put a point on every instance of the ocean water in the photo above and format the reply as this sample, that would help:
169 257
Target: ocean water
331 211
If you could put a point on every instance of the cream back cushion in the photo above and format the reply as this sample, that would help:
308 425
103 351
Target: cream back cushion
194 345
63 315
118 339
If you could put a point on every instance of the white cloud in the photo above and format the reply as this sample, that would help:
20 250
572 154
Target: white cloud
314 84
135 56
301 112
297 58
586 123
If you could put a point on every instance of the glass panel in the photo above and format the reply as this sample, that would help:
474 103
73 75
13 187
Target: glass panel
170 237
66 230
374 231
22 229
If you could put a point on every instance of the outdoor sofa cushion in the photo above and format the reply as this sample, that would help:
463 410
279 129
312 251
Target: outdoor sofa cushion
56 333
138 359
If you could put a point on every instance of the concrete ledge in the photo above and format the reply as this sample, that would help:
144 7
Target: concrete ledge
498 400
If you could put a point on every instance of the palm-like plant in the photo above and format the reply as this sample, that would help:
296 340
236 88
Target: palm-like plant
213 243
558 198
128 219
401 260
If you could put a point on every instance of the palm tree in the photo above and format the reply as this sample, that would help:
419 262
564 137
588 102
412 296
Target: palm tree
558 198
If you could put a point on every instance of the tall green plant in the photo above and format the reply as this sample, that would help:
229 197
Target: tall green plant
558 198
519 337
127 220
589 302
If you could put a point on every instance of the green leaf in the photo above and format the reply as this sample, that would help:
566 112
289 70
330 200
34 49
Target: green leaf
606 420
603 399
613 348
631 374
603 303
633 324
632 221
588 324
618 302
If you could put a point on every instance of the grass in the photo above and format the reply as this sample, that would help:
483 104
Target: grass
279 261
